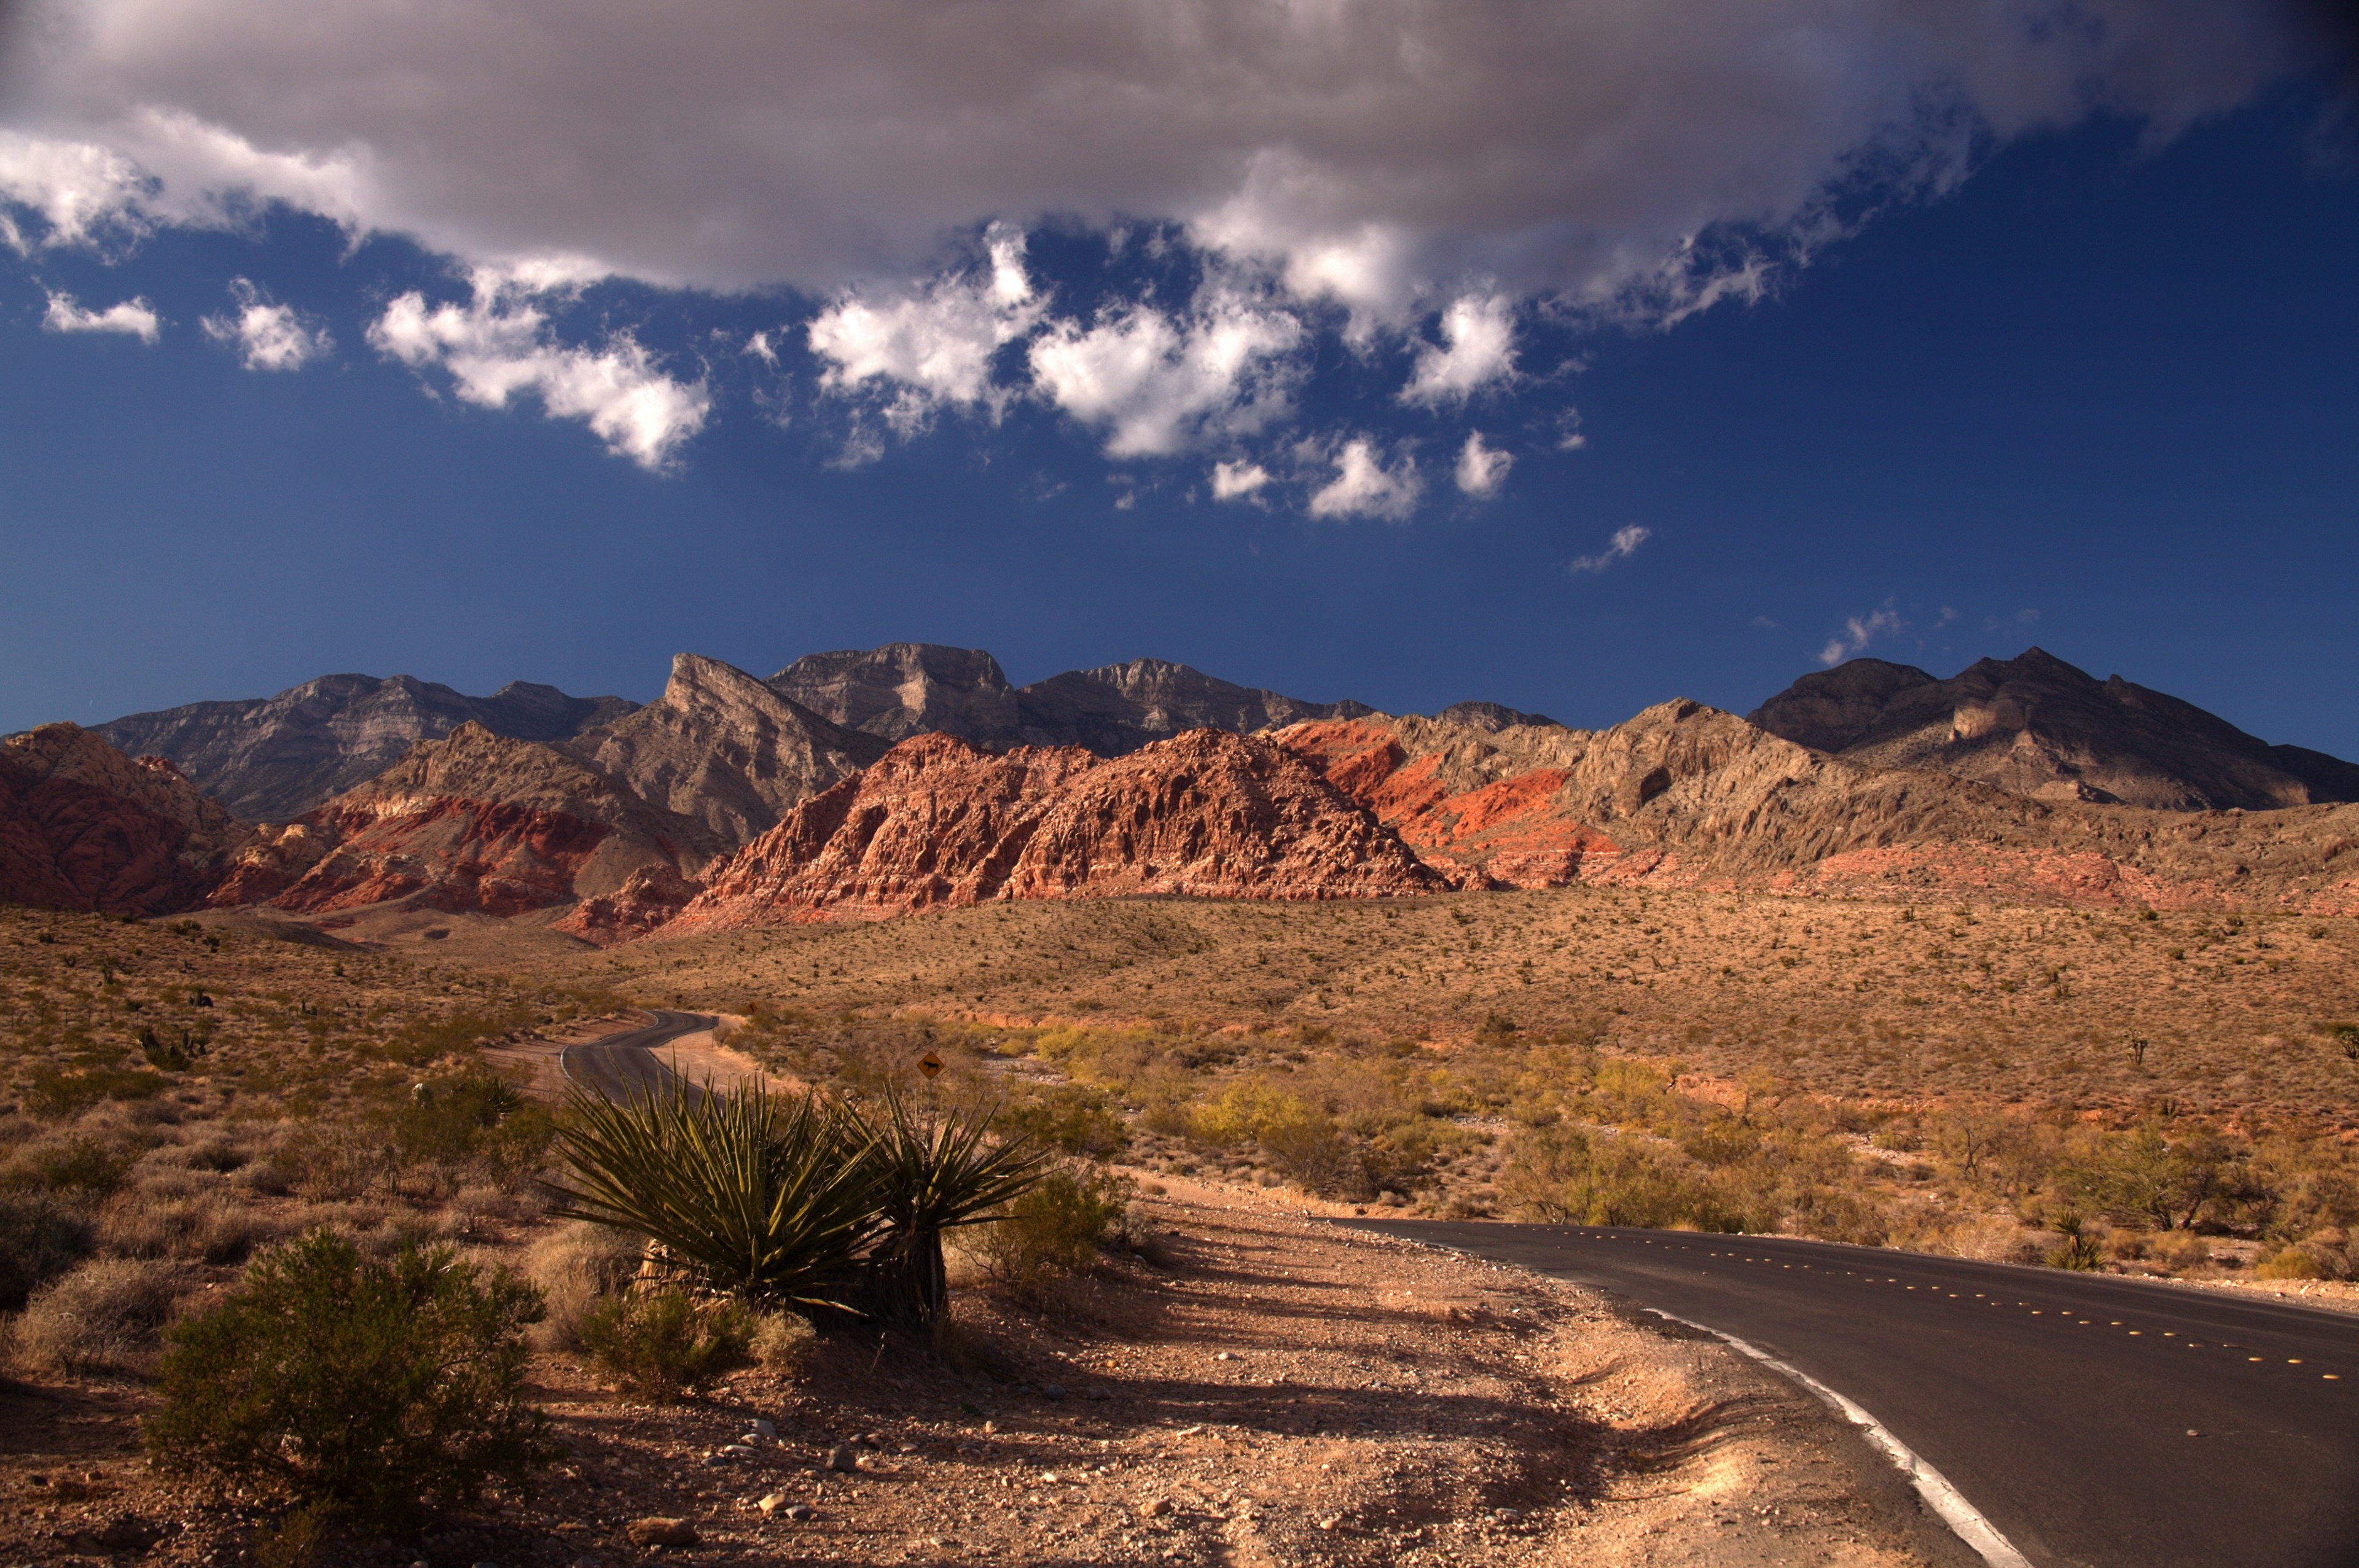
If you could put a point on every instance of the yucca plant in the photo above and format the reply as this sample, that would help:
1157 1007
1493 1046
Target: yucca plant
766 1196
930 1174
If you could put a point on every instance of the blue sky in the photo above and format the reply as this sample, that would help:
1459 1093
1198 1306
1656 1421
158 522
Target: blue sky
2081 377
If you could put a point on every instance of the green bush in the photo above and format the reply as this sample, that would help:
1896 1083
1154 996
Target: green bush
1060 1226
661 1343
368 1387
39 1240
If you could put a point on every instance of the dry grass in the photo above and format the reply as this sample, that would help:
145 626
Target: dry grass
2029 1007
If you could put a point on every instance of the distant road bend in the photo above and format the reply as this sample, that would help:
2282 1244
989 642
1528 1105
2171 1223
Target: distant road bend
620 1067
2095 1422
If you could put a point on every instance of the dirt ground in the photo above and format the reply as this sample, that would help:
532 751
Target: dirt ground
1273 1389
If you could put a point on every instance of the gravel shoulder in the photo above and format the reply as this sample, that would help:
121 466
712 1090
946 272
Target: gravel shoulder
1271 1390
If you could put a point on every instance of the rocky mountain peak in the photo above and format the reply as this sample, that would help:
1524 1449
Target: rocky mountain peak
907 688
2036 726
725 749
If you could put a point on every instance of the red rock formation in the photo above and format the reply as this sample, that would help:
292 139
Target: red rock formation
1455 805
937 822
481 823
84 827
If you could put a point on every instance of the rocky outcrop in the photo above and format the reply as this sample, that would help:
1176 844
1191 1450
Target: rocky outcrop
914 688
725 751
938 822
1119 707
909 689
2036 726
82 827
1685 795
480 823
272 759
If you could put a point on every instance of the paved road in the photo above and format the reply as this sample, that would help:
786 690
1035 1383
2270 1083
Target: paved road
2060 1405
621 1067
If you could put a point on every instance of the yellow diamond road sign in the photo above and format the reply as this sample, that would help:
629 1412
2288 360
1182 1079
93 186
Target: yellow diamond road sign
929 1064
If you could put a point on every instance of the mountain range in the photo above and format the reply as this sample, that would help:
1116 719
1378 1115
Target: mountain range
860 784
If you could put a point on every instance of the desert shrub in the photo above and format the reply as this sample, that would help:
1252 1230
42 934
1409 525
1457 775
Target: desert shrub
769 1195
206 1228
576 1267
2081 1246
80 1162
2181 1251
659 1344
54 1095
105 1317
2289 1263
1071 1119
928 1174
1566 1175
1059 1228
471 1120
783 1341
329 1161
40 1239
368 1387
423 1040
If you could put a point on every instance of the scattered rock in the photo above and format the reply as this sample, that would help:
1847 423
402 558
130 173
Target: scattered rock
1052 1390
800 1512
772 1504
655 1532
844 1457
763 1429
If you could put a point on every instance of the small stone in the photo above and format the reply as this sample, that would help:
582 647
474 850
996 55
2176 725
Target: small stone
799 1512
763 1429
655 1532
943 1542
1224 1356
1159 1508
844 1457
772 1504
1506 1516
1052 1390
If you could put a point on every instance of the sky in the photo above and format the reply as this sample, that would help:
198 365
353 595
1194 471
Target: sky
1574 356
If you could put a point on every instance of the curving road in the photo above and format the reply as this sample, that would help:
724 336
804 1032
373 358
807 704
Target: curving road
2096 1421
625 1066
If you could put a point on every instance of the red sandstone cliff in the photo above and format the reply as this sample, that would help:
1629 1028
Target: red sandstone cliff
481 823
84 827
937 822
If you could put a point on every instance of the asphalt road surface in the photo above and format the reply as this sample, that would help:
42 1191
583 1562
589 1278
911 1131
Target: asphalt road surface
621 1067
2094 1419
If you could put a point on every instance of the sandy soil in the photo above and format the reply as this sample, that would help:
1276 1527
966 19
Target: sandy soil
1273 1391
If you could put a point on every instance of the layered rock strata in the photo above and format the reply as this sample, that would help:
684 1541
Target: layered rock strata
84 827
938 822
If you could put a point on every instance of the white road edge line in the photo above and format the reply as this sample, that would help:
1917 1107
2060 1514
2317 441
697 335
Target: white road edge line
1946 1501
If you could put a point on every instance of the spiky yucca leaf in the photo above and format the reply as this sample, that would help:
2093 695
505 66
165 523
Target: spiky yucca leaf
765 1195
931 1174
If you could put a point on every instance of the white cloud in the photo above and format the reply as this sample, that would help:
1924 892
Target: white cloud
1364 487
498 344
267 336
1156 385
77 190
1569 437
1482 470
761 348
1621 547
1373 152
1479 332
1236 480
933 347
132 317
1858 632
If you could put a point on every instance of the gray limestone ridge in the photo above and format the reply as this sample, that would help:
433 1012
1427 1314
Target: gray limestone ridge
909 689
270 759
2035 726
725 749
